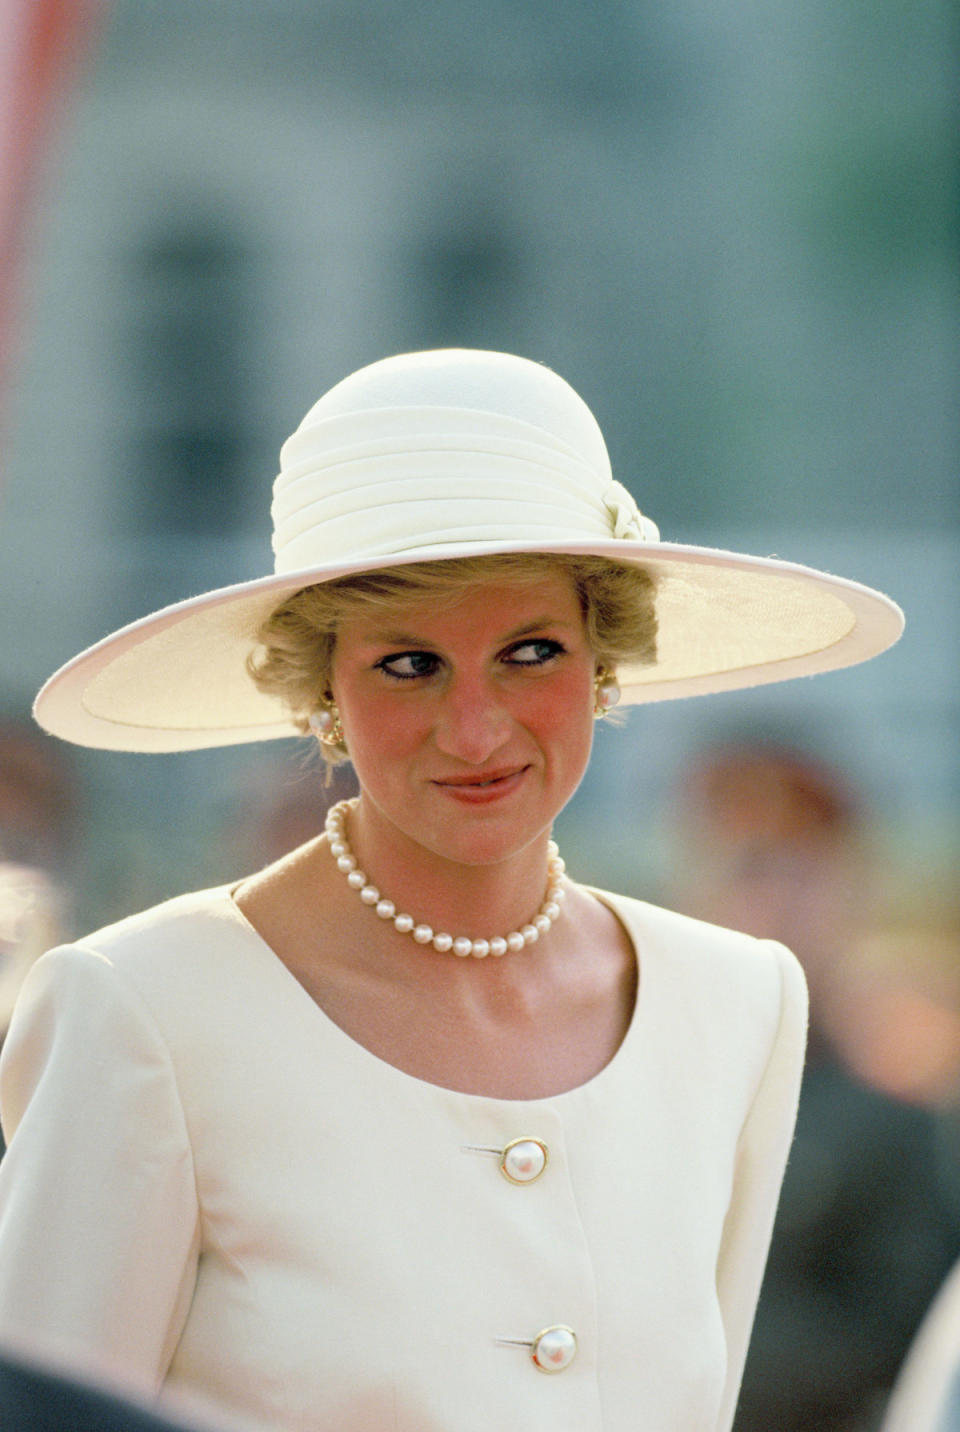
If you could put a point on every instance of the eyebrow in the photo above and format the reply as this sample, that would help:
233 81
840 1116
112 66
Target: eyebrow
396 636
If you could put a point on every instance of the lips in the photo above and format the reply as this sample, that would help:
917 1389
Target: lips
482 786
480 780
486 778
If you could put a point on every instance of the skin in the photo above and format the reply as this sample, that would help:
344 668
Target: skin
469 729
469 724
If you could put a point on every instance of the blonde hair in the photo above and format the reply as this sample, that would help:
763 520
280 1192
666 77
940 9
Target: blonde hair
294 659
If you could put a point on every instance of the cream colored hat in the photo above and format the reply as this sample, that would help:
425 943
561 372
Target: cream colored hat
441 455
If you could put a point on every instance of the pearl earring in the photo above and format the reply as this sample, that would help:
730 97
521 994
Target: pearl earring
606 693
325 725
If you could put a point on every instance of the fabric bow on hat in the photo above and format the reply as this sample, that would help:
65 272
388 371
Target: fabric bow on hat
629 523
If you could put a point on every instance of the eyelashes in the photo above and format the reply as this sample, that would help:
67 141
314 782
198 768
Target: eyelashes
418 665
408 665
544 649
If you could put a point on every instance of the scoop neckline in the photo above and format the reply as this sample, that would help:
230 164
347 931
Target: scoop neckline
361 1053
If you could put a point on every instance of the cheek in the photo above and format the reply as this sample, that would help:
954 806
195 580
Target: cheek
563 718
379 728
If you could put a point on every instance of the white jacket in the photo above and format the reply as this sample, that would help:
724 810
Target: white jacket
211 1190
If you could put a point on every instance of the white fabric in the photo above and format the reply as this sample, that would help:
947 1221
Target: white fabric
211 1189
375 483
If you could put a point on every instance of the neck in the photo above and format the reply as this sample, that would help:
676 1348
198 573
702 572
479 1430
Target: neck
479 899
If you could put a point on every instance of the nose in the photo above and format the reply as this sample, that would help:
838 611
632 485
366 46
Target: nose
473 721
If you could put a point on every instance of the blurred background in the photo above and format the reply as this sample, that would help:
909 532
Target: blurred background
733 230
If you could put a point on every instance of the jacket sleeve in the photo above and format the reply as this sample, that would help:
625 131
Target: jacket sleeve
99 1222
761 1159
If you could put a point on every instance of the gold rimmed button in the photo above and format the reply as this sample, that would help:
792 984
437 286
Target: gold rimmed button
523 1160
555 1348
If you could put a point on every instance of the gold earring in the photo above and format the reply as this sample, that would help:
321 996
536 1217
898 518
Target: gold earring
325 725
606 693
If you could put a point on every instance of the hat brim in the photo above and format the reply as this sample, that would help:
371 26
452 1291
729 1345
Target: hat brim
176 680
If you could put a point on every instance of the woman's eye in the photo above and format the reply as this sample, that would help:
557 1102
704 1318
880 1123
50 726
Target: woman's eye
534 653
406 665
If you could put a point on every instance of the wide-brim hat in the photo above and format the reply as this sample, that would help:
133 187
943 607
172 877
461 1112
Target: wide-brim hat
434 456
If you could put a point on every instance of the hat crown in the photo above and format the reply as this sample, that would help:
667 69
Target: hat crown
499 384
447 448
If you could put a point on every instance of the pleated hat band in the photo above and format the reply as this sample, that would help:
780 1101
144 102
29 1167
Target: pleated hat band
388 481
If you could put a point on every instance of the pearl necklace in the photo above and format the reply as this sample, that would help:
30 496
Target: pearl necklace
462 945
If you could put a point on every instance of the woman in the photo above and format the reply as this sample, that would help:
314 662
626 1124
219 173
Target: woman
377 1137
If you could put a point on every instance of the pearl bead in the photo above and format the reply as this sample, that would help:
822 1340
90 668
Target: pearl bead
554 1349
608 694
524 1160
423 933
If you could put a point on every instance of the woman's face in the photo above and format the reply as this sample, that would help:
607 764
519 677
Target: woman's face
468 721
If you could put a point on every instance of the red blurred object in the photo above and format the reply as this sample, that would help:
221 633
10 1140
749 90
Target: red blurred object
41 45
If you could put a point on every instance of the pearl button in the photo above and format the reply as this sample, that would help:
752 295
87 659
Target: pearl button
523 1160
555 1348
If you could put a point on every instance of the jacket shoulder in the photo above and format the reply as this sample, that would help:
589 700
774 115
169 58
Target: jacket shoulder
203 916
713 961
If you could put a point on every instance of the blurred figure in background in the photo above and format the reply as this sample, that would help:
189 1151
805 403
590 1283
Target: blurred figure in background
37 821
38 799
273 811
773 842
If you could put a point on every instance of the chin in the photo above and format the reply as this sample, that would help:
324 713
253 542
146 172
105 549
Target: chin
485 842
